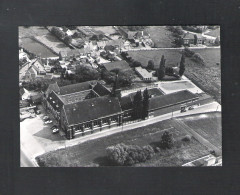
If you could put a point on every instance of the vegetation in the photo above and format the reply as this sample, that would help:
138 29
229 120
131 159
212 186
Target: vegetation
57 32
198 58
188 52
137 106
166 140
150 65
192 29
161 70
195 39
122 154
182 65
146 97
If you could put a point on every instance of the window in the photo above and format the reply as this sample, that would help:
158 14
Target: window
105 121
87 125
96 123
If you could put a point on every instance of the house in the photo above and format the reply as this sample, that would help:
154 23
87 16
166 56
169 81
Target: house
24 94
121 65
38 67
189 38
144 74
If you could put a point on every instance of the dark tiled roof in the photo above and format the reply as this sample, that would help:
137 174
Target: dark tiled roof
122 65
76 87
101 90
21 91
188 36
126 103
55 100
171 99
52 87
91 109
153 92
75 97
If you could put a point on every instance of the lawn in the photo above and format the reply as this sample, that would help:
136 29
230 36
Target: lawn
93 153
32 31
208 125
160 36
207 77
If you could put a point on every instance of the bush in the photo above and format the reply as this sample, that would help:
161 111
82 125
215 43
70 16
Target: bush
188 52
166 140
187 138
198 58
122 154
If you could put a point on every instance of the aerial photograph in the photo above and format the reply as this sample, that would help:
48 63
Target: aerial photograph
134 96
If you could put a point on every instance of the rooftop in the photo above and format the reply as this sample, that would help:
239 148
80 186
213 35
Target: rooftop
171 99
91 109
143 72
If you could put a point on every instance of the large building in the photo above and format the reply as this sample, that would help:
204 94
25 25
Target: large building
88 107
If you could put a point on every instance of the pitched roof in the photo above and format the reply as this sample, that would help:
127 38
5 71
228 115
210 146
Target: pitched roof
122 65
55 101
171 99
75 97
101 90
143 72
188 36
76 87
126 103
52 87
91 109
21 91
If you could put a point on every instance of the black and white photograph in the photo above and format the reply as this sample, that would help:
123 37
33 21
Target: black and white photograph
134 96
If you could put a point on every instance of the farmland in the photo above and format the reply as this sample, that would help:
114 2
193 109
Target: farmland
160 36
207 77
92 153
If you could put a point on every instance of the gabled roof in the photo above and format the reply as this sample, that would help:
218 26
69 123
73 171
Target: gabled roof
188 36
21 91
91 109
75 97
68 89
171 99
126 103
214 33
122 65
55 101
101 90
52 87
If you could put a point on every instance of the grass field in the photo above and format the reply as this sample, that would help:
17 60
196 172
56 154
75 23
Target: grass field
160 36
92 153
208 125
207 77
31 31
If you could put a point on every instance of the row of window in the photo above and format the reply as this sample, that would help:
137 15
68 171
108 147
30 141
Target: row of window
97 123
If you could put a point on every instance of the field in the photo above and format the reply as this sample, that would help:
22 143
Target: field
36 48
207 125
31 31
160 36
207 77
92 153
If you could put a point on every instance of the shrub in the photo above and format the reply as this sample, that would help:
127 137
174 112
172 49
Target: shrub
188 52
187 138
198 58
122 154
166 140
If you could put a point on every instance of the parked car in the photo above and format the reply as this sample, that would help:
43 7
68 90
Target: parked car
45 117
56 130
48 122
53 127
191 108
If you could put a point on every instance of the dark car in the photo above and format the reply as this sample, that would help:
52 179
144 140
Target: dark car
53 127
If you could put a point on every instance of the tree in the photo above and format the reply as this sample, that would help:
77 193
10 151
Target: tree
166 140
122 154
146 97
182 65
150 65
195 39
86 73
198 58
136 64
137 105
56 31
161 70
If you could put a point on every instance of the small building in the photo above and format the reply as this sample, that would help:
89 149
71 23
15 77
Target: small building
144 74
189 38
